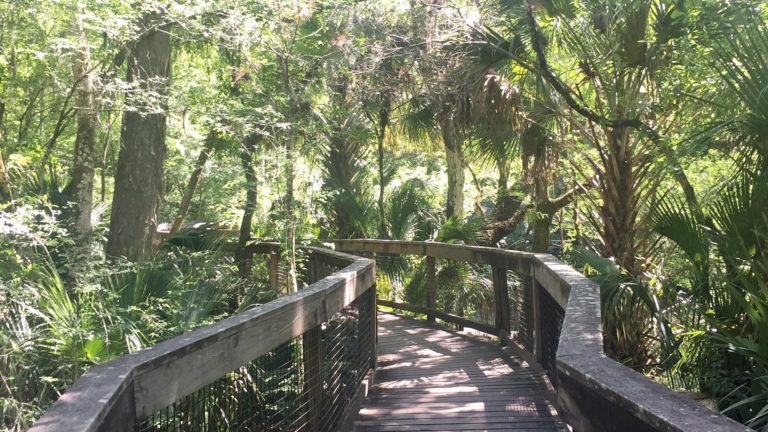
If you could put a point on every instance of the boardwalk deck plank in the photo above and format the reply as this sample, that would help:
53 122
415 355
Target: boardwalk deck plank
431 379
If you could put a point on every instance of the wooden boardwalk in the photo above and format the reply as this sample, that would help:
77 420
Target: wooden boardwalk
430 379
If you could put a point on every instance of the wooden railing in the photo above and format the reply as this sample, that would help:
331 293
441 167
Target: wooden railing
297 363
552 312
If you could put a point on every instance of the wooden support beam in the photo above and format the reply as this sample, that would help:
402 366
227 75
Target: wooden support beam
501 298
274 270
431 286
374 326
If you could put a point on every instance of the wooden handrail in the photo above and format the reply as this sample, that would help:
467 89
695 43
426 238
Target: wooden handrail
111 396
594 392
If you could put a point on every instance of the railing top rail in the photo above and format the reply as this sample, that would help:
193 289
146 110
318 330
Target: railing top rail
159 375
580 356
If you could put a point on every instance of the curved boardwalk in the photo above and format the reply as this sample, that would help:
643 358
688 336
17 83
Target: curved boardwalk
430 379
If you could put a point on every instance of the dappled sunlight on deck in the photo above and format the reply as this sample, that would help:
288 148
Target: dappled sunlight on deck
430 379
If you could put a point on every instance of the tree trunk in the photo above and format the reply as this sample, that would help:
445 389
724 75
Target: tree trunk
194 179
242 258
454 162
383 124
290 147
5 186
620 201
249 209
542 227
139 176
79 191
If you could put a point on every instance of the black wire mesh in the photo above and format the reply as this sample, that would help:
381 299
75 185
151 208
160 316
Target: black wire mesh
521 309
551 323
276 391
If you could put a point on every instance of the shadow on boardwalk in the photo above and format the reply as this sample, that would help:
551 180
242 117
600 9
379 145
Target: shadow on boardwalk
432 379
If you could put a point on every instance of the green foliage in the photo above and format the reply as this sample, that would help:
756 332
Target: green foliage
322 84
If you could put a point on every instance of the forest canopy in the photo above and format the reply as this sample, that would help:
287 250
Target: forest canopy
144 145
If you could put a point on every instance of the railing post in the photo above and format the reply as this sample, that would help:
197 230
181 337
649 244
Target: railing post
122 416
312 346
431 286
274 269
501 298
374 325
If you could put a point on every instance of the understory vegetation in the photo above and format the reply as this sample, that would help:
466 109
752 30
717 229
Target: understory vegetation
145 145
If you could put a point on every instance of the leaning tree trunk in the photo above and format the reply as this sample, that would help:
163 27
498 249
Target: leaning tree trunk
454 163
139 176
194 179
79 191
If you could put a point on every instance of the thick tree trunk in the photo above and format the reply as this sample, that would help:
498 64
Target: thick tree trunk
79 191
542 227
620 201
454 163
194 180
5 186
139 176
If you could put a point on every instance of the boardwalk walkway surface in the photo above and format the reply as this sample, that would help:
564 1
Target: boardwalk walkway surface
430 379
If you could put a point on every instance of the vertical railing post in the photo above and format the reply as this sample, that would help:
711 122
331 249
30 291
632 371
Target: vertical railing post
122 415
312 345
431 286
501 299
274 269
374 325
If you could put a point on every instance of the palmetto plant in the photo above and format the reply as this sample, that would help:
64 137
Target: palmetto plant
726 302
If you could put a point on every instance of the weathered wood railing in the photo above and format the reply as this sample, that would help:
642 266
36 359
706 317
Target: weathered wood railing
553 312
298 363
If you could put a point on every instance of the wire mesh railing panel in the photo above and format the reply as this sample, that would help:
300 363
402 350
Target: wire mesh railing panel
552 315
521 305
515 296
263 395
347 352
305 384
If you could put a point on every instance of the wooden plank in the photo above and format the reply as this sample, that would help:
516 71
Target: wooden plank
431 286
102 396
274 270
514 260
501 298
433 379
374 338
453 319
